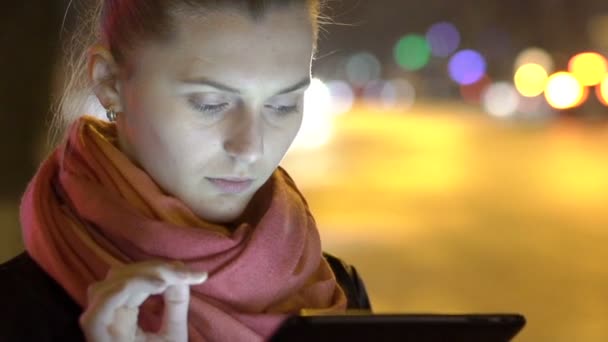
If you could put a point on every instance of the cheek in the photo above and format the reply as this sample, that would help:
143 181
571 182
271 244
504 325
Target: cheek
141 113
186 143
280 139
154 136
177 155
294 127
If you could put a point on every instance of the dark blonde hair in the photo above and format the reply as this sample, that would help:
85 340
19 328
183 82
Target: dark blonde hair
122 24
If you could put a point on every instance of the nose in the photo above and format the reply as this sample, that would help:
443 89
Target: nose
244 140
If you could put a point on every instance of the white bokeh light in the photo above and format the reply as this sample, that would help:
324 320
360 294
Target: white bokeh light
501 99
401 95
342 97
397 93
317 124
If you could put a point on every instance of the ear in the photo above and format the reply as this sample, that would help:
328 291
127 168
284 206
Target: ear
103 72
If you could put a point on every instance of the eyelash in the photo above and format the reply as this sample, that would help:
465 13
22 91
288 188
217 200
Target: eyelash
283 110
217 108
208 108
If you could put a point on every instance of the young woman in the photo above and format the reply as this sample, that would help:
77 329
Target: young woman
173 221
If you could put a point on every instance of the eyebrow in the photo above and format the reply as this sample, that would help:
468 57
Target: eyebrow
207 82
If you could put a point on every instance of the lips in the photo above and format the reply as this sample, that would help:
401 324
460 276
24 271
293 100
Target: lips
231 185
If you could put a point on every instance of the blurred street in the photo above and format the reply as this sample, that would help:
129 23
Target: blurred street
443 209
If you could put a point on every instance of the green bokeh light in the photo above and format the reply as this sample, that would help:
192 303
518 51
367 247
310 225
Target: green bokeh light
412 52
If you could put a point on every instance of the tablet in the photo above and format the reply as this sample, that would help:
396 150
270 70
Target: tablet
401 327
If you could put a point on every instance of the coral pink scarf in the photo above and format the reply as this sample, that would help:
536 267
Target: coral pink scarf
89 208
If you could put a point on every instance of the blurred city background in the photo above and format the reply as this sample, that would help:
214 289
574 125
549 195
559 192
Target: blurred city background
454 151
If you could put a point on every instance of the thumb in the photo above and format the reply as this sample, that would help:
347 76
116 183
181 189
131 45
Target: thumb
175 318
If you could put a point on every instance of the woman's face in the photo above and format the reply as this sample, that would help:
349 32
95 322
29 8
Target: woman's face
211 114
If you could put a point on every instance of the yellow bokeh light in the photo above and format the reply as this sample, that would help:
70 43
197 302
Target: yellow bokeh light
530 79
602 91
564 91
589 67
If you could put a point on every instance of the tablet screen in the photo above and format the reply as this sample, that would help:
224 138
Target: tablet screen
402 327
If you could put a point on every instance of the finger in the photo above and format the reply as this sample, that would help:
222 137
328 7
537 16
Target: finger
124 325
90 320
138 299
177 273
130 290
101 312
142 336
125 289
177 302
148 267
165 274
172 272
175 318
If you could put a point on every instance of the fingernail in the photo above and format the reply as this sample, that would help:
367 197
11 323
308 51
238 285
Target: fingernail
198 277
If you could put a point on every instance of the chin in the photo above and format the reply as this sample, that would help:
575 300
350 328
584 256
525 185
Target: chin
224 211
216 217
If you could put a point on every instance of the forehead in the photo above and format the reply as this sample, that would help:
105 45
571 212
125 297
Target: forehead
232 47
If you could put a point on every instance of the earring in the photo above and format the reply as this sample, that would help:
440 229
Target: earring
111 114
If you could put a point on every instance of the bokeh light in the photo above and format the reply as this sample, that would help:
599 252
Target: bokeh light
403 93
362 68
317 123
471 93
342 97
530 79
602 91
501 99
412 52
564 91
443 39
535 55
467 67
389 94
588 67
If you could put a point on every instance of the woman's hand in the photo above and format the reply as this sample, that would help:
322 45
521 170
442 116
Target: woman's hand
113 304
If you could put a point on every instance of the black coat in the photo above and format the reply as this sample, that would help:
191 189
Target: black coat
33 307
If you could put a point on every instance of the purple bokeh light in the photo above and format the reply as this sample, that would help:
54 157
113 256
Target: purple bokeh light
443 38
467 67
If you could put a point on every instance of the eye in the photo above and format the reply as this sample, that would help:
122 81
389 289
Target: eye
282 110
208 108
